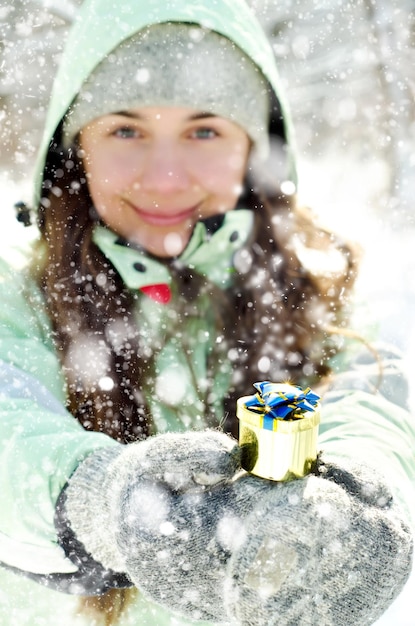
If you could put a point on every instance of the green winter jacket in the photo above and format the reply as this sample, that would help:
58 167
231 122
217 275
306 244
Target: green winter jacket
42 444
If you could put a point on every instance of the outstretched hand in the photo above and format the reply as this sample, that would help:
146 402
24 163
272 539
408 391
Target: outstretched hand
204 539
329 549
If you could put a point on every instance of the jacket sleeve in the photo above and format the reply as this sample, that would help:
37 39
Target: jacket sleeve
365 415
41 444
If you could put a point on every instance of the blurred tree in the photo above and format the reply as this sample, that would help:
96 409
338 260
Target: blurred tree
31 37
393 31
348 71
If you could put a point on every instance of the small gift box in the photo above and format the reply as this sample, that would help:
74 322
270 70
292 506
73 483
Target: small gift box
278 428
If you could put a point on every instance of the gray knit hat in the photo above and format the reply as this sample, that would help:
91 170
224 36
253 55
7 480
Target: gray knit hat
176 64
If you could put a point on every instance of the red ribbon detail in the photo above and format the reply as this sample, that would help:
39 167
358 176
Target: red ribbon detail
159 293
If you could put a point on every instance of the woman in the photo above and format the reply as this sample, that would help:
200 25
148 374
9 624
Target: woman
169 276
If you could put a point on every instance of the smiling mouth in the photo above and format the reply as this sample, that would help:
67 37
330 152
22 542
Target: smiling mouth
158 219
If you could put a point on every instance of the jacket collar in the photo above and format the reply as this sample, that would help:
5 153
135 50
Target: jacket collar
209 253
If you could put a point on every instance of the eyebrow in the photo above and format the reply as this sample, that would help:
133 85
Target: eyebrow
196 116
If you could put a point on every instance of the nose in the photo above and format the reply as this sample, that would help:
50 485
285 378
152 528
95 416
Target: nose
164 170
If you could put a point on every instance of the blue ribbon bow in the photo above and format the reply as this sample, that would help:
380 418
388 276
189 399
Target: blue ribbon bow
284 401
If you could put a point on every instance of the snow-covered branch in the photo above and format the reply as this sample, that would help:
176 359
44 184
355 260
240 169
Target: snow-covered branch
63 9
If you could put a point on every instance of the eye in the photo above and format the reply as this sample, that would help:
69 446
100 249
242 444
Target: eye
125 132
204 132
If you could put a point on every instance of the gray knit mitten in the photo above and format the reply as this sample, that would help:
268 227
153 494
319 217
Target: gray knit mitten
117 488
216 545
331 549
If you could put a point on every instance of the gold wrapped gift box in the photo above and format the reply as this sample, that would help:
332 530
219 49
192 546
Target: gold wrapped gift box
278 449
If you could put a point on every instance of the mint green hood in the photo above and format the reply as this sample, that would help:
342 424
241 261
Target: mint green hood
101 25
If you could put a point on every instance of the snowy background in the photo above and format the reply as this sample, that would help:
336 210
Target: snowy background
348 70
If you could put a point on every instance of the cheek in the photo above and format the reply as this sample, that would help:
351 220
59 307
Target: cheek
226 177
236 163
105 177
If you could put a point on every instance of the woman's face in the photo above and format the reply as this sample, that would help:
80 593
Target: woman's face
153 172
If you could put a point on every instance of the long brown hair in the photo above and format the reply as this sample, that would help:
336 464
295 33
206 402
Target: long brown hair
276 320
